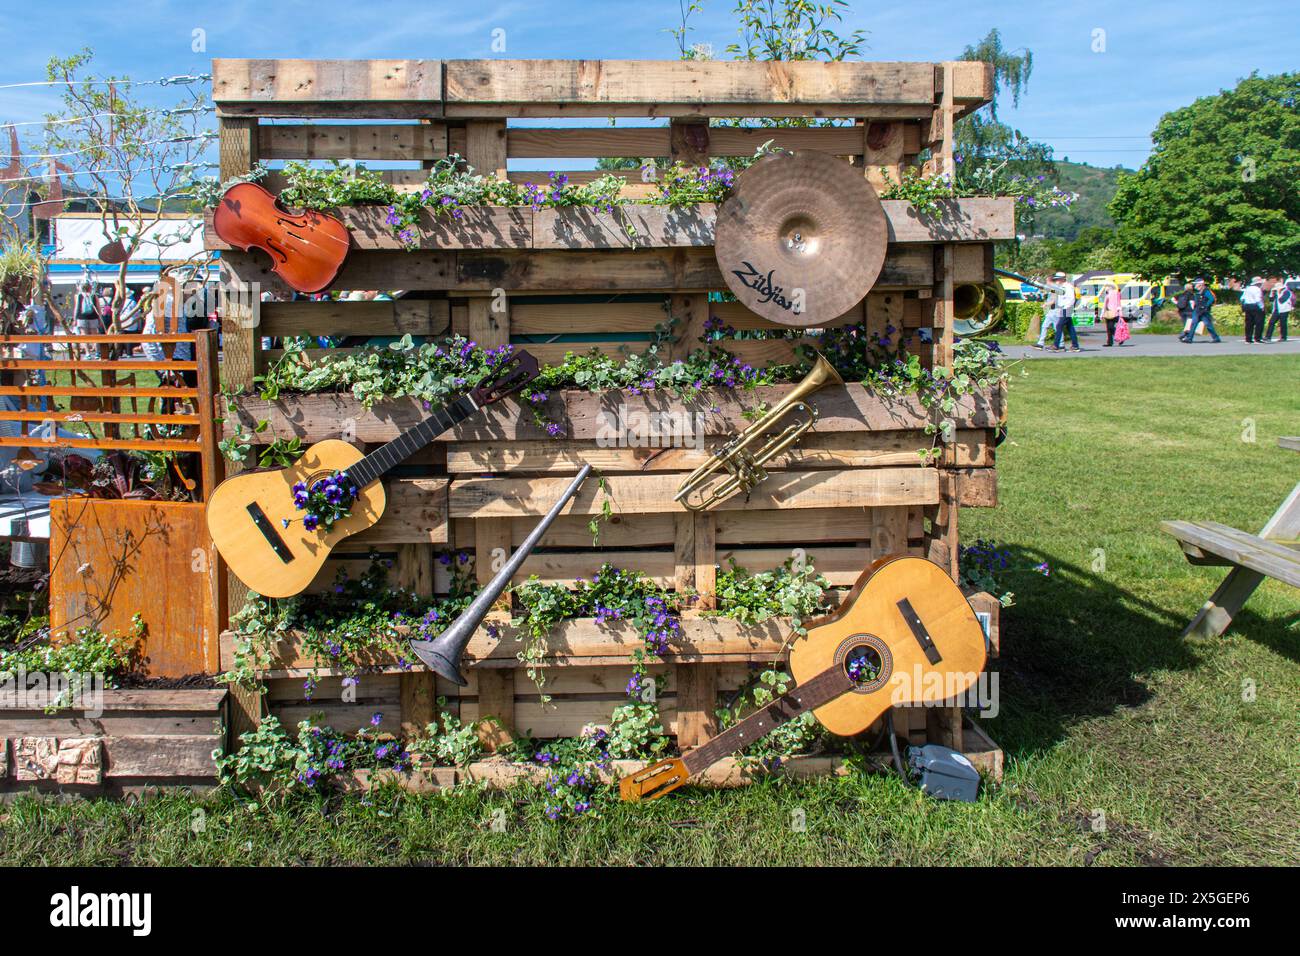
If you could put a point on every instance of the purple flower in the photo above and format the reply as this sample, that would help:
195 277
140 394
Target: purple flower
376 719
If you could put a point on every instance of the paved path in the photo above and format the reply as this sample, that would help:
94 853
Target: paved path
1093 344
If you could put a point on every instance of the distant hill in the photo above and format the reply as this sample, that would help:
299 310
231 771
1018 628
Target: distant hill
1095 186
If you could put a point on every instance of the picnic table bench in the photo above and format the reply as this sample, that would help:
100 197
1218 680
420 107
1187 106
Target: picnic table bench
1273 553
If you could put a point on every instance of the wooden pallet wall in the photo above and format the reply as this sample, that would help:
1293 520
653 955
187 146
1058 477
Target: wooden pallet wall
572 279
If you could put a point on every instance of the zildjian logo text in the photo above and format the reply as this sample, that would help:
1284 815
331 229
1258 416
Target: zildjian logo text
768 290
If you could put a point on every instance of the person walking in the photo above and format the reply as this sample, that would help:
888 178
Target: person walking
1283 305
1065 321
1202 303
1110 310
1049 313
1252 310
1185 303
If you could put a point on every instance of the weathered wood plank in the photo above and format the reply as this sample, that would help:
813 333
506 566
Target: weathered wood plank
653 493
636 226
388 141
416 514
285 87
683 87
396 317
649 142
816 450
691 269
1270 558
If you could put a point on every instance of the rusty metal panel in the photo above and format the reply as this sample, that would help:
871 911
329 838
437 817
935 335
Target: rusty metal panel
110 559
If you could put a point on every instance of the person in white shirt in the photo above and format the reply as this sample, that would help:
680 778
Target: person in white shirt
1283 305
1252 308
1051 310
1066 299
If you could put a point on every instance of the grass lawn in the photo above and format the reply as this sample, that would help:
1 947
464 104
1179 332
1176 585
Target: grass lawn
1104 709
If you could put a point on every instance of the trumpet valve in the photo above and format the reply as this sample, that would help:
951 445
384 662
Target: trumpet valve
749 473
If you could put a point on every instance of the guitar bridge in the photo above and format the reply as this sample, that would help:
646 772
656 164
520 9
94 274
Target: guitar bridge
272 536
919 631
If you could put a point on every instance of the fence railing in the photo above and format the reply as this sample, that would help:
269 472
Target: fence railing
91 381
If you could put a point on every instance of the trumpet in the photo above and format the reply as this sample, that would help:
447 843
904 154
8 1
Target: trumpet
745 467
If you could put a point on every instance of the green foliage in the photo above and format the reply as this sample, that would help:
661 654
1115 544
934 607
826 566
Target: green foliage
267 761
88 651
1217 196
1093 187
990 155
793 30
434 372
357 619
794 590
310 187
1093 249
612 595
448 742
1018 316
636 731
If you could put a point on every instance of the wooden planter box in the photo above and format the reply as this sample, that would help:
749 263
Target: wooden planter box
143 739
728 773
636 226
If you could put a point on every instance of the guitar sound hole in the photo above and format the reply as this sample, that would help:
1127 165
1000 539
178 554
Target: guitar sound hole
862 664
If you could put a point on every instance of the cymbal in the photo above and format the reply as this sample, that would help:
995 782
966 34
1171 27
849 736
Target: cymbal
802 238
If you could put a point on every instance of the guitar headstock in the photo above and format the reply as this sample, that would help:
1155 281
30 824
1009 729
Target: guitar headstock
508 377
653 782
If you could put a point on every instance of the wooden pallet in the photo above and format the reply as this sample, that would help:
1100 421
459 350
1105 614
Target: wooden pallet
854 490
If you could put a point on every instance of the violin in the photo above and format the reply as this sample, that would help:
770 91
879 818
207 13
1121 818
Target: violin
307 248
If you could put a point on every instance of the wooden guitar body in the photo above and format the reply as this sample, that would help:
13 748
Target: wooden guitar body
871 615
307 248
248 549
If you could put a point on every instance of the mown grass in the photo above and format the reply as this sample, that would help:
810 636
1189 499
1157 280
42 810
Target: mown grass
1104 709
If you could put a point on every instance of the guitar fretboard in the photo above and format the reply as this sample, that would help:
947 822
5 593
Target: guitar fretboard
382 459
820 690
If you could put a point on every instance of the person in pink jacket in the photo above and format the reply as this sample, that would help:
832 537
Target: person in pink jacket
1110 310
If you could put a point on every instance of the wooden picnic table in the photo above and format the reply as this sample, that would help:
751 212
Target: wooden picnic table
1273 553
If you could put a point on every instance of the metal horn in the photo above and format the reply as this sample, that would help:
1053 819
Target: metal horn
443 654
746 467
986 318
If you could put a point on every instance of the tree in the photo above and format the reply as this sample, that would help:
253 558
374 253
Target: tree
132 162
985 143
1218 194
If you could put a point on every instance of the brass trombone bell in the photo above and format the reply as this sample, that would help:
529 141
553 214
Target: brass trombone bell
985 319
743 464
967 300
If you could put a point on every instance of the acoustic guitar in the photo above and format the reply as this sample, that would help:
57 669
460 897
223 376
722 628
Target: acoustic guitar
257 519
307 248
904 635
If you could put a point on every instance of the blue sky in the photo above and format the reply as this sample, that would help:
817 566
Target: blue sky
1097 107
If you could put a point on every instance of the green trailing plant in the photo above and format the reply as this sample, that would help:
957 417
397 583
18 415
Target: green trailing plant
358 619
447 741
87 652
794 590
611 595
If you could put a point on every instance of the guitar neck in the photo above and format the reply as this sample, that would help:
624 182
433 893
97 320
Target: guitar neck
383 459
820 690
